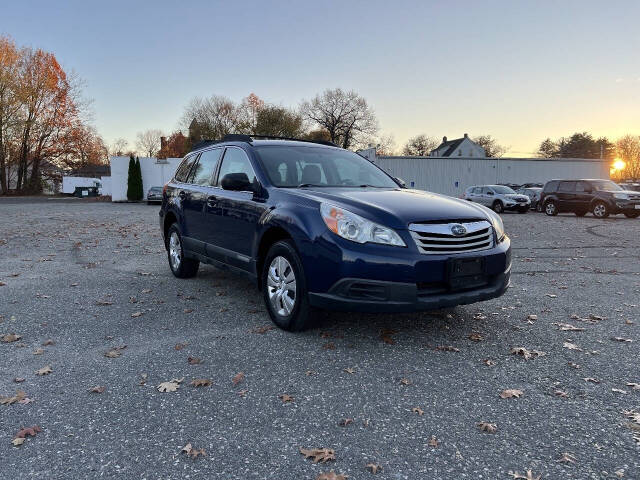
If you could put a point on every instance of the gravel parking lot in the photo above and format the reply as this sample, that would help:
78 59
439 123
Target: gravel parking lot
405 392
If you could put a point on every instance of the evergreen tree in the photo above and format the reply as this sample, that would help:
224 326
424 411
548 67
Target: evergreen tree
131 181
139 188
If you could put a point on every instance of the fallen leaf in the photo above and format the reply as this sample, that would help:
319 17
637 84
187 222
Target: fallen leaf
567 327
560 393
634 386
405 381
104 303
44 370
567 458
10 337
170 386
97 389
386 336
113 354
447 348
194 361
286 398
331 476
374 468
571 346
592 380
532 318
620 339
48 342
433 442
136 314
192 452
476 337
188 310
551 295
511 393
180 346
488 362
350 370
618 390
19 379
527 354
487 427
329 346
319 454
29 431
417 410
38 351
573 365
17 441
345 421
239 377
186 449
146 290
200 382
519 476
262 330
11 400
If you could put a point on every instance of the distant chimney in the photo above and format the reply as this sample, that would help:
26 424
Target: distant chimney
466 135
444 139
163 142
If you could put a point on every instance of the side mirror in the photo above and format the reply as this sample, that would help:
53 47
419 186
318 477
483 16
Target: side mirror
236 182
400 182
489 193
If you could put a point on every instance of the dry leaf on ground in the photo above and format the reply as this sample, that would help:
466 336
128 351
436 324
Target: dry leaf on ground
476 337
417 410
405 381
38 351
17 442
529 475
113 354
13 399
321 455
170 386
331 476
262 330
487 427
238 378
571 346
620 339
200 382
44 370
10 337
527 354
567 458
433 441
193 452
567 327
48 342
97 389
511 393
180 346
29 431
286 398
194 361
447 348
345 421
350 370
374 467
591 379
136 314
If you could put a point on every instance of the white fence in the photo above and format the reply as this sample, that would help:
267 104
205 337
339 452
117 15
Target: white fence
155 173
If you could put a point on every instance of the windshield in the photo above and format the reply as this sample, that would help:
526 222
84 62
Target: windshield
502 189
289 166
605 185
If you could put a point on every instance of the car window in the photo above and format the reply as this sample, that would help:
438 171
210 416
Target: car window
582 187
550 186
236 161
567 187
606 186
182 172
502 189
477 190
206 166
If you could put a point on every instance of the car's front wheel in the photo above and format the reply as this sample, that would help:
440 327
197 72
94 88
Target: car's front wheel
550 208
600 210
180 266
284 288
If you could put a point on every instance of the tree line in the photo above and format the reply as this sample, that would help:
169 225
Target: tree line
43 119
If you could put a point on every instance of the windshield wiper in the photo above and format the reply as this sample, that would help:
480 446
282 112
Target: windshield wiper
303 185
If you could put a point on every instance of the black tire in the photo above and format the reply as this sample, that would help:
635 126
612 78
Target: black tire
632 214
539 207
550 208
497 206
600 210
181 267
302 315
580 213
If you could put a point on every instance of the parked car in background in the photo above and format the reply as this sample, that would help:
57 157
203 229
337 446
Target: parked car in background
534 195
601 197
320 227
634 186
498 197
154 195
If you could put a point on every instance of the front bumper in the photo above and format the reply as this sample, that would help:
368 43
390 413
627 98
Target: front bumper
408 283
627 205
517 206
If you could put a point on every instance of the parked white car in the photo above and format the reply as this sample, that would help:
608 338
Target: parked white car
498 197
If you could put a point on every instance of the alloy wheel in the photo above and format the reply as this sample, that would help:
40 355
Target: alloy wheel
281 286
550 208
600 210
175 251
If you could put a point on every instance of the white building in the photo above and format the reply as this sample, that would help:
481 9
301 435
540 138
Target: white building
459 147
155 173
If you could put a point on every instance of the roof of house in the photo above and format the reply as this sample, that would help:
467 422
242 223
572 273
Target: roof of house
452 144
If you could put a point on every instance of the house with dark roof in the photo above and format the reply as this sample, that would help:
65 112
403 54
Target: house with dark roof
459 147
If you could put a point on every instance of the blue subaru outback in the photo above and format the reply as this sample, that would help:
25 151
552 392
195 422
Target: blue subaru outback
319 227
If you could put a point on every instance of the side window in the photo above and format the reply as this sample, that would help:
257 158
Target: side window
182 172
204 170
567 187
582 187
477 190
236 161
551 186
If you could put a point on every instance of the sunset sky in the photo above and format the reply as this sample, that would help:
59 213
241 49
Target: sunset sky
519 71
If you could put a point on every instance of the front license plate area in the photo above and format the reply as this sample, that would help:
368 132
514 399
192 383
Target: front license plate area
466 273
637 207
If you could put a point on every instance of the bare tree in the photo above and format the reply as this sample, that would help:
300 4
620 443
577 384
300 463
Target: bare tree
491 146
419 146
345 115
212 118
386 145
119 147
628 149
149 141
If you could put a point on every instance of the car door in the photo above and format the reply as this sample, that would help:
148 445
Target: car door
566 196
190 208
583 196
234 215
487 196
202 193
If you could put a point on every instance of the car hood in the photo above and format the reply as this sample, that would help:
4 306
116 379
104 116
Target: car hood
396 207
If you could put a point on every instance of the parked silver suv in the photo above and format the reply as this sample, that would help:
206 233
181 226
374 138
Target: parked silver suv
498 197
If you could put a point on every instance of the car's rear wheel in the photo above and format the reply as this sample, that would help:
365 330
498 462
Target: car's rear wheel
550 208
181 266
497 206
539 207
600 210
632 214
284 288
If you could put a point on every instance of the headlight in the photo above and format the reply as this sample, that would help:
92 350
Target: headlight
498 226
357 229
621 196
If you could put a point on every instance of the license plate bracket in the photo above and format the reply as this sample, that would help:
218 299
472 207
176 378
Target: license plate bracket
465 273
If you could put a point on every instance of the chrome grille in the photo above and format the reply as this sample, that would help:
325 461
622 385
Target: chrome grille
438 238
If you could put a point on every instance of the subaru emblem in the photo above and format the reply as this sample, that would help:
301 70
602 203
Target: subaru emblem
458 230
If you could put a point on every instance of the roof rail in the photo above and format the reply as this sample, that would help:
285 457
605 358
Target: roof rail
236 137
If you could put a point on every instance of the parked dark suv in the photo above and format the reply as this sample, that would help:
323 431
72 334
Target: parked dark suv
602 197
317 226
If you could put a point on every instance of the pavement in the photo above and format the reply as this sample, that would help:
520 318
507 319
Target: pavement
405 392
